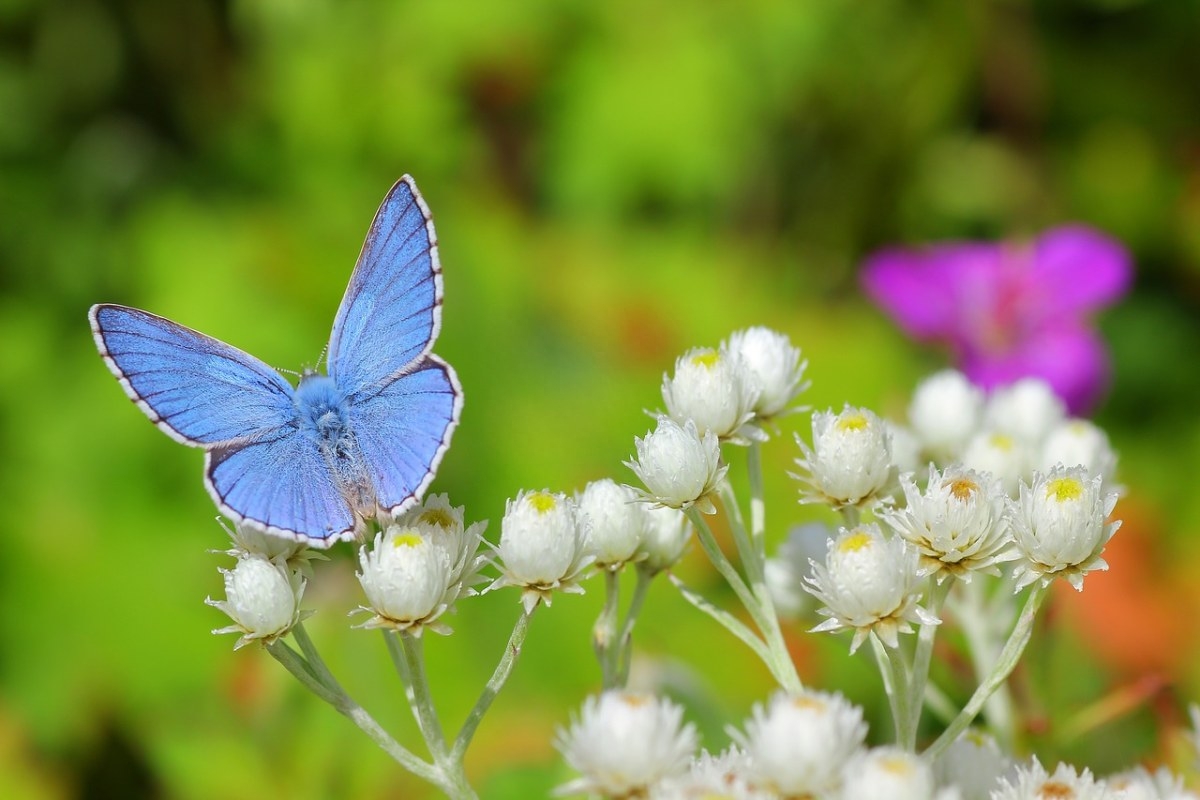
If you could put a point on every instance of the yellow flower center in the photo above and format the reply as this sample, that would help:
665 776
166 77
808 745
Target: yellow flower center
542 502
437 516
962 488
855 542
1064 489
706 358
1053 790
409 538
1001 441
854 421
806 702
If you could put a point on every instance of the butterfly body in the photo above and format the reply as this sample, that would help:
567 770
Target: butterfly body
310 462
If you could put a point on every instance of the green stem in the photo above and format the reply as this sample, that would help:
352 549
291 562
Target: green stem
897 685
512 651
625 642
709 542
727 621
1003 667
420 698
979 628
333 694
850 516
604 632
922 656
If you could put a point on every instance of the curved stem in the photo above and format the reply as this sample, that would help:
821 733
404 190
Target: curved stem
512 651
896 683
922 656
1003 667
625 642
604 632
419 696
727 621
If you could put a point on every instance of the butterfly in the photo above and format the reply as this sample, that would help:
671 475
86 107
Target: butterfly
313 461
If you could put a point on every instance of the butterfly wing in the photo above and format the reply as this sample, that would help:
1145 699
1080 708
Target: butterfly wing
198 390
403 429
391 312
283 484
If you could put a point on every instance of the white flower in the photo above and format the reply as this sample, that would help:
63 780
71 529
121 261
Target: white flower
405 577
261 597
850 462
887 772
1032 782
906 450
973 762
786 571
771 368
1059 526
250 540
869 583
541 546
945 413
1026 410
624 742
727 776
442 524
668 530
1141 784
617 522
680 467
1078 441
1007 459
799 743
707 388
957 524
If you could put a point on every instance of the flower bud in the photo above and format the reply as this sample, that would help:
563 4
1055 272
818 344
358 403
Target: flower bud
261 597
679 467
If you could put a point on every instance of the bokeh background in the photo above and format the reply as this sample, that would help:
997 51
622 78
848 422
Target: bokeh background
612 184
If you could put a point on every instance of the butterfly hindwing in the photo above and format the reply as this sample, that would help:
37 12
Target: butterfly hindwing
403 430
197 389
391 312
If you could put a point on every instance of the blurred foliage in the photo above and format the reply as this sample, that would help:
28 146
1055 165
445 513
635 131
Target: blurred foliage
612 183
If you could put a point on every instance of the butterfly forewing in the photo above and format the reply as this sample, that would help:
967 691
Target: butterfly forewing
391 312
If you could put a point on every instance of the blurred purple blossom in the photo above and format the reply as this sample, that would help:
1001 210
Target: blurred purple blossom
1010 309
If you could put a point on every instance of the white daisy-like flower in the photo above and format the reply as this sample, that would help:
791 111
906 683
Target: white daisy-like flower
623 743
542 547
679 467
889 772
708 389
1141 784
957 524
945 412
250 540
1027 410
786 571
1060 526
1032 782
974 763
262 598
1009 460
1082 442
869 583
668 530
726 776
405 577
771 368
798 744
617 522
443 525
850 461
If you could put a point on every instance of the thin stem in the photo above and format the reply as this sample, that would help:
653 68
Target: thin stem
851 515
728 621
896 680
922 656
333 694
979 628
1003 667
625 642
315 662
758 512
419 696
499 676
604 632
723 565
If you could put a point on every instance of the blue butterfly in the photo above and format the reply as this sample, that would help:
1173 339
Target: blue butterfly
314 461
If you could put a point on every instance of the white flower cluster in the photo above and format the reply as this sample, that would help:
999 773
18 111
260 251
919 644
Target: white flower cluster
810 744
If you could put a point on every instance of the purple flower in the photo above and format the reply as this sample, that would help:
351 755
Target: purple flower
1010 309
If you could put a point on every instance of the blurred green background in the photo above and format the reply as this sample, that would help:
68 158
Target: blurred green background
612 184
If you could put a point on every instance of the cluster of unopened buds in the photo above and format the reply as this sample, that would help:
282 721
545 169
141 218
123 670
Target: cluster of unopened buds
968 510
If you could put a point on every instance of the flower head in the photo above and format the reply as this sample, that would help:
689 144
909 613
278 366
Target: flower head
616 522
262 598
1007 459
251 540
869 584
786 571
957 523
1026 410
1008 310
406 577
1032 782
973 762
944 414
850 462
542 546
889 772
771 368
726 776
668 530
1140 783
443 525
1060 526
1078 441
708 389
798 744
680 467
624 742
